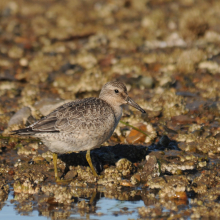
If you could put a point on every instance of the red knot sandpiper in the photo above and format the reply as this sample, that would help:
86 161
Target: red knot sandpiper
82 125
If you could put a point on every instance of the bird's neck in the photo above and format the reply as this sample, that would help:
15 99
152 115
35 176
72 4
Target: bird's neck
116 108
118 113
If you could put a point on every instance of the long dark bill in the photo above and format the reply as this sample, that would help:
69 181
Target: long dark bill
134 104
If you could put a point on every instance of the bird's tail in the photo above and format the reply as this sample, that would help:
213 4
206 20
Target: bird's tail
24 131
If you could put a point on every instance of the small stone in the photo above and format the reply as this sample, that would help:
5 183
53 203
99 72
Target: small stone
20 116
135 179
183 119
217 136
126 183
25 151
200 203
125 166
38 159
33 145
211 66
71 174
164 141
26 187
146 82
15 52
23 62
135 136
150 168
107 61
82 204
179 172
180 195
11 172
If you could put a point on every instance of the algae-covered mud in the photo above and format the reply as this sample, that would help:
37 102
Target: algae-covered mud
168 55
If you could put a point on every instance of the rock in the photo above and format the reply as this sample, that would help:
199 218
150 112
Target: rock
38 159
153 114
61 195
71 174
135 179
33 145
126 183
150 169
26 151
183 119
146 82
188 59
112 177
217 136
107 61
27 186
4 191
125 166
23 62
211 66
11 172
164 141
15 52
180 195
166 81
135 136
20 117
150 212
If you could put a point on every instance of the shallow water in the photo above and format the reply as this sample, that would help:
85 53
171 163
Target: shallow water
108 208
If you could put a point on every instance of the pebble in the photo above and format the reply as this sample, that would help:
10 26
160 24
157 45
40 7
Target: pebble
23 62
147 82
11 172
126 183
38 159
20 116
180 195
125 166
183 119
15 52
135 179
211 66
136 137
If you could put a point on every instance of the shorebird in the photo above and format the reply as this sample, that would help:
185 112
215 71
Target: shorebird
82 125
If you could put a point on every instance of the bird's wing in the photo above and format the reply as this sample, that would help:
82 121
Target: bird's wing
90 113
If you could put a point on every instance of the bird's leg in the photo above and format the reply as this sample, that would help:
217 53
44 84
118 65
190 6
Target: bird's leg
88 158
55 166
57 178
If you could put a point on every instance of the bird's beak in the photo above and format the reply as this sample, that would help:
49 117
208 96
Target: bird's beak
134 104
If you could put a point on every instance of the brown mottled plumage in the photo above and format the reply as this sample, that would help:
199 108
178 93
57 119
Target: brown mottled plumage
83 124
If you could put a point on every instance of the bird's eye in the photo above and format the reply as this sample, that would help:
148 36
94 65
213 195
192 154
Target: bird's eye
116 91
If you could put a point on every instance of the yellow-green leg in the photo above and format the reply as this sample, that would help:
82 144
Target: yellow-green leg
55 166
57 178
88 158
92 198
